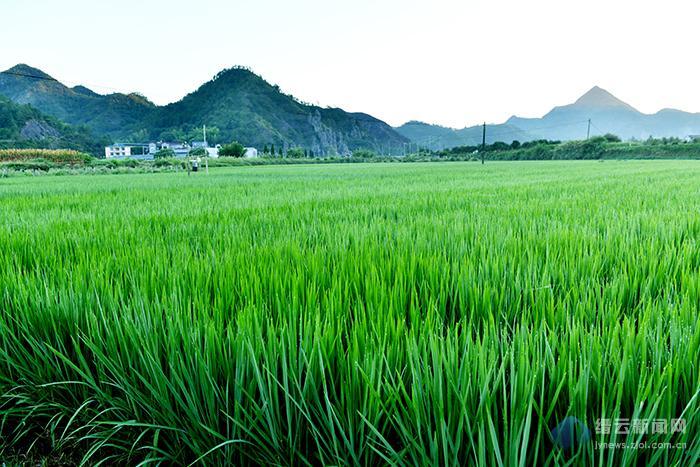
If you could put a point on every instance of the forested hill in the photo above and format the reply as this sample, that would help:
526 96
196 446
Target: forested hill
113 115
22 126
243 106
236 105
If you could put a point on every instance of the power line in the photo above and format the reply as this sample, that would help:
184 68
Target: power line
111 89
27 75
535 129
498 132
599 130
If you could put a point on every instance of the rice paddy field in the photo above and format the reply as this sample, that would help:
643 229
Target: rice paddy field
382 314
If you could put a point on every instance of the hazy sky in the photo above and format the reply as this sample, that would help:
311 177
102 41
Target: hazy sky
444 61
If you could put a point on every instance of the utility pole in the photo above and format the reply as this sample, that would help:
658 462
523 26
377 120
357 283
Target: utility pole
206 148
483 144
588 133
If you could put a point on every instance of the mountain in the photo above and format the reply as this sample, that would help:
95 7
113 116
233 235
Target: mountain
237 105
112 115
607 113
243 106
22 126
439 137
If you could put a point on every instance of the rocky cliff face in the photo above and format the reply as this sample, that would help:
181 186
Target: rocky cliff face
36 130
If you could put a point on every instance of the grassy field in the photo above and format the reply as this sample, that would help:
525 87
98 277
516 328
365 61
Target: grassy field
411 314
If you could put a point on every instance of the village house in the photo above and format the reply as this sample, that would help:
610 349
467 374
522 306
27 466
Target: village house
136 150
148 150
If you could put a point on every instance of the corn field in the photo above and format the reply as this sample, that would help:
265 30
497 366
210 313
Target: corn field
66 156
383 314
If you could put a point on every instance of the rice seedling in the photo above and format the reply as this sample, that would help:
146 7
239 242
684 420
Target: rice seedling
403 314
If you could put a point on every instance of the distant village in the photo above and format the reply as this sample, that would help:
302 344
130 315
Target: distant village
149 150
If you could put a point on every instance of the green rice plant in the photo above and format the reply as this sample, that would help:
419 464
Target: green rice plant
351 314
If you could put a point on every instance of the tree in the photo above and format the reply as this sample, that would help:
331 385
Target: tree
198 152
140 136
164 154
280 152
174 135
272 149
296 153
235 149
363 154
610 138
498 146
265 150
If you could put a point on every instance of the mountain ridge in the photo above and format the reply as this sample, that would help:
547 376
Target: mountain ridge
607 113
237 104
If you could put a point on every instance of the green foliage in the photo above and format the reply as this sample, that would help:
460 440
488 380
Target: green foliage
140 136
599 147
296 153
234 149
165 153
364 154
198 152
35 164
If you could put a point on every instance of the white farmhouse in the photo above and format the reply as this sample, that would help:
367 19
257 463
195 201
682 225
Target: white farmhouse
251 152
139 150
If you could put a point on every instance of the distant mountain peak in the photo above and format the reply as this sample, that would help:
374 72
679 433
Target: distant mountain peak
236 73
24 69
84 90
598 97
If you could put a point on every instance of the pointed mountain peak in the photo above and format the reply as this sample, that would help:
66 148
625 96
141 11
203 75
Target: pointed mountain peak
23 69
598 97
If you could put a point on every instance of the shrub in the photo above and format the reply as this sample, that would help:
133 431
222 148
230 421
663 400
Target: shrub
296 153
235 149
198 152
364 154
165 153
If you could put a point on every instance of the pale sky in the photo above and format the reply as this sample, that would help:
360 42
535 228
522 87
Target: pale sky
450 62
